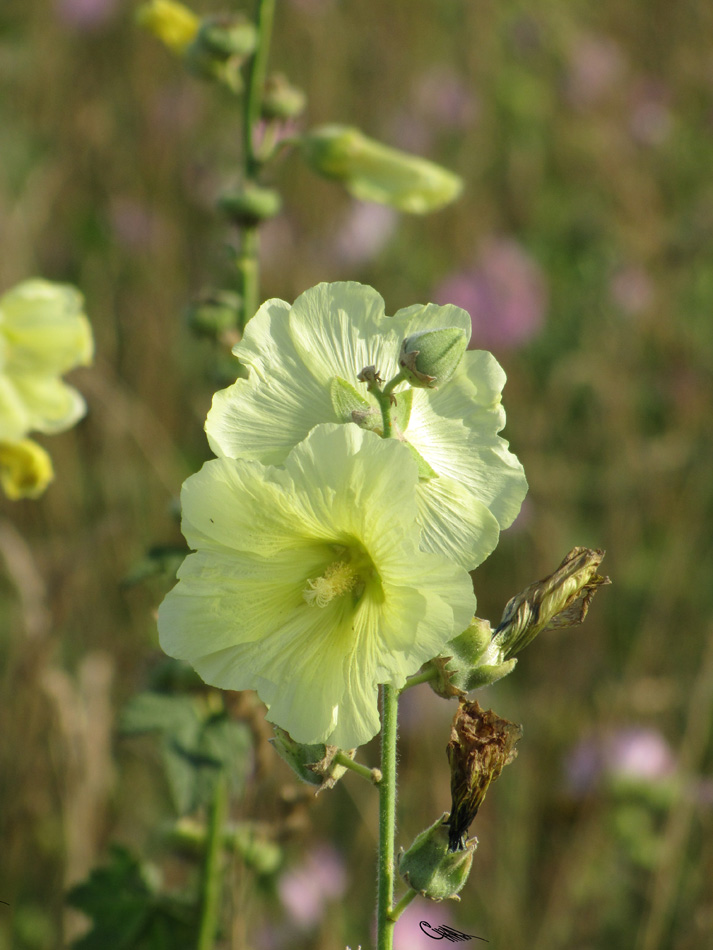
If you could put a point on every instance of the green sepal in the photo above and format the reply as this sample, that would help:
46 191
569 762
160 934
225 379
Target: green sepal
424 469
430 868
350 406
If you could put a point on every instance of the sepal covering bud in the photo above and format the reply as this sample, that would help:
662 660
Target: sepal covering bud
430 867
469 662
314 764
429 358
281 100
371 171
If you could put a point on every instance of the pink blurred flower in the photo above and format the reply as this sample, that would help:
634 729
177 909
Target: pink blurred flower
504 293
306 889
650 120
596 65
631 288
408 934
85 14
633 752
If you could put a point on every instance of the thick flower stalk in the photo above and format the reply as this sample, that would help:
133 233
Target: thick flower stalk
308 583
303 364
43 334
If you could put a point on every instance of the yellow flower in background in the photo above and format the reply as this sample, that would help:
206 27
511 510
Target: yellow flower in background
172 23
43 333
25 469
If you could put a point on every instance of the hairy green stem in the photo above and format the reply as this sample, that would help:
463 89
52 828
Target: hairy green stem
387 819
371 775
248 261
212 880
425 677
401 906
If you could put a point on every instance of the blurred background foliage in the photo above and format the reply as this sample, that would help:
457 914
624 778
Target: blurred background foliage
583 247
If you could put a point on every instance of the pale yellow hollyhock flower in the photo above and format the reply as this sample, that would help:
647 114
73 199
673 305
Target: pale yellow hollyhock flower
309 583
43 333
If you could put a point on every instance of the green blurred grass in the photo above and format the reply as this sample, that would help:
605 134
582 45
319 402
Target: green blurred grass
110 159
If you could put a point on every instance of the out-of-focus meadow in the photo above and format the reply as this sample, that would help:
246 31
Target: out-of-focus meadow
583 247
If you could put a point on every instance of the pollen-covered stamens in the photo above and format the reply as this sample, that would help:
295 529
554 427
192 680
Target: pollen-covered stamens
338 579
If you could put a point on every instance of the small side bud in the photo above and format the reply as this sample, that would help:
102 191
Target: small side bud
25 469
430 867
250 205
429 358
468 662
314 764
481 745
560 600
172 23
281 100
214 315
219 48
371 171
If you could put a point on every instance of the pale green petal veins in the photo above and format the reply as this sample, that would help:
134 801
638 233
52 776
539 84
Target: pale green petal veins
264 535
303 363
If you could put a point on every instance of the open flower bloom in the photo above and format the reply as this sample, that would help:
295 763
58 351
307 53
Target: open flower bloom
308 583
43 333
303 363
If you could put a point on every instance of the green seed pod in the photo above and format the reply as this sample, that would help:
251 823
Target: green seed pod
314 764
214 314
430 868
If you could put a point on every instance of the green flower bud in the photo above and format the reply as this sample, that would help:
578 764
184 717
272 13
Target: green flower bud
560 600
282 100
371 171
227 35
314 764
250 205
429 358
468 662
480 747
430 867
214 314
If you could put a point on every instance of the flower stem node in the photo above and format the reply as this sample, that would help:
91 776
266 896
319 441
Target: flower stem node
429 358
281 100
371 171
431 868
250 205
480 747
314 764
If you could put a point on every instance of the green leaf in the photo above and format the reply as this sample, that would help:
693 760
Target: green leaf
196 745
127 911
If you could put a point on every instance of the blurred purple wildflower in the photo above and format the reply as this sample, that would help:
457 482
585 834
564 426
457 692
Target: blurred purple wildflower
633 753
596 65
364 232
306 889
439 102
408 934
85 14
504 293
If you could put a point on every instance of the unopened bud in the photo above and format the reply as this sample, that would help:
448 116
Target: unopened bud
250 205
227 35
314 764
25 469
282 100
560 600
481 745
429 358
371 171
430 867
215 314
